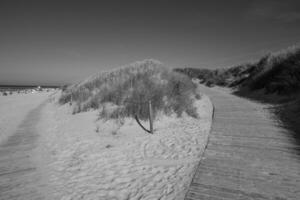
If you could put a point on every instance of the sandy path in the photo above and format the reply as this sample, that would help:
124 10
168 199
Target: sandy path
20 176
13 110
248 155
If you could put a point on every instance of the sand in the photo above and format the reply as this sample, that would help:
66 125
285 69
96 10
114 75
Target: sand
87 158
14 108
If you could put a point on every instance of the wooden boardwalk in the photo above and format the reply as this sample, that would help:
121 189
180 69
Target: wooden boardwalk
20 177
248 155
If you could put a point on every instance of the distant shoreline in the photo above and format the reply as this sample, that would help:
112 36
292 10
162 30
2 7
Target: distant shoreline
26 86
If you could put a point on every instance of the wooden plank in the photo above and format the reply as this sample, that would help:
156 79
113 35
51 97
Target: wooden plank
249 156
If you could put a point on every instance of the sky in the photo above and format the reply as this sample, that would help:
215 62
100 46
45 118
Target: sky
57 42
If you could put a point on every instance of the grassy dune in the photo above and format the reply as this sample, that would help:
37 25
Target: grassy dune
125 92
275 73
275 79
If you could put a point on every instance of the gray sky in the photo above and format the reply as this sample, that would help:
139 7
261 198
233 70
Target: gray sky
56 42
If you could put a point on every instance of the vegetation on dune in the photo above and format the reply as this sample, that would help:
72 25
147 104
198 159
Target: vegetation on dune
125 92
275 78
278 73
274 73
221 77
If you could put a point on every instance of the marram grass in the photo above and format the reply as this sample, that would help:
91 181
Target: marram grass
125 92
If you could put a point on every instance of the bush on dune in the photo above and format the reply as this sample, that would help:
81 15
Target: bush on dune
275 73
221 77
275 78
279 73
125 92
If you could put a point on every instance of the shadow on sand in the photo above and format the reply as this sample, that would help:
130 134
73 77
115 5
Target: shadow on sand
285 108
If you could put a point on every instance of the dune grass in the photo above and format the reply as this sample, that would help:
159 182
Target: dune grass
274 79
125 92
277 72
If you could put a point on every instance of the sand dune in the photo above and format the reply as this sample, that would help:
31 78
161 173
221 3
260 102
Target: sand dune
93 159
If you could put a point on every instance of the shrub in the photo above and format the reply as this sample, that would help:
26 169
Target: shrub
275 78
274 73
277 73
126 92
210 83
64 87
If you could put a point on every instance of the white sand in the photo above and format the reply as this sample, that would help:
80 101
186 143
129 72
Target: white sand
120 161
14 108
